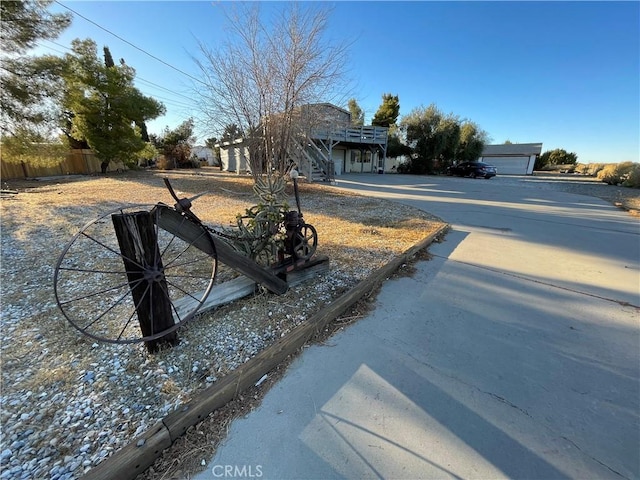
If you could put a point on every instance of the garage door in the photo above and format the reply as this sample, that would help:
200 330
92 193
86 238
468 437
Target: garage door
508 165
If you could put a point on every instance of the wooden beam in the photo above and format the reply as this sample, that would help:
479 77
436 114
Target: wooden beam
141 256
175 223
242 286
134 458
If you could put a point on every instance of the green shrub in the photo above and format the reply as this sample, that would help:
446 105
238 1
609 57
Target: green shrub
403 167
194 162
416 166
558 156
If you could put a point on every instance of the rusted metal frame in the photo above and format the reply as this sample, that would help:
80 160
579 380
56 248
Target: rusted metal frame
170 220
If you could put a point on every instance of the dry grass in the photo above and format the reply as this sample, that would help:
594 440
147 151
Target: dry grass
341 218
352 230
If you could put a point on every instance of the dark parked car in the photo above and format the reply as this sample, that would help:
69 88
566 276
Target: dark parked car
472 169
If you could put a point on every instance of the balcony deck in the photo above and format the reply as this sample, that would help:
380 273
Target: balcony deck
364 134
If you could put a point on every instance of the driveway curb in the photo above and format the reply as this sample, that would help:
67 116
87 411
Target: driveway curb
137 456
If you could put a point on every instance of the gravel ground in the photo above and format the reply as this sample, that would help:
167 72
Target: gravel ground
68 402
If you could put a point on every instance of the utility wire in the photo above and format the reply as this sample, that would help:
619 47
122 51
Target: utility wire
55 43
165 88
129 43
53 49
176 103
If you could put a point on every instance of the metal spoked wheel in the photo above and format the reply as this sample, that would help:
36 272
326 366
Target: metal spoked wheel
305 241
94 282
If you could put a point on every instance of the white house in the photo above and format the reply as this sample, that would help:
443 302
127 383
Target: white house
325 144
204 153
512 158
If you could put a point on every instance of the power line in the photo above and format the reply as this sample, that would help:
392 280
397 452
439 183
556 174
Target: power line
165 88
55 43
53 49
176 102
129 43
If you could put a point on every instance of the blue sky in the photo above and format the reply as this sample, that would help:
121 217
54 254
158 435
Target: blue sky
566 74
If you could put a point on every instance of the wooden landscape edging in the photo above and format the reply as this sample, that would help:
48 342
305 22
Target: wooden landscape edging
137 456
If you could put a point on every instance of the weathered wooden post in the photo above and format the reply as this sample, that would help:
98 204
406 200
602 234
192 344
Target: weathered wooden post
136 233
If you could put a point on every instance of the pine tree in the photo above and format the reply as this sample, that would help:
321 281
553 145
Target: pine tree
104 105
357 115
387 114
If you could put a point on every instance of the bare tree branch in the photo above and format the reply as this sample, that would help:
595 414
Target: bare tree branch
261 76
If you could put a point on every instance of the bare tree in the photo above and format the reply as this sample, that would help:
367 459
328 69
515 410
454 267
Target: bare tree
265 72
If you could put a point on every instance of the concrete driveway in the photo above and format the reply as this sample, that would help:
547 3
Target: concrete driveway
512 353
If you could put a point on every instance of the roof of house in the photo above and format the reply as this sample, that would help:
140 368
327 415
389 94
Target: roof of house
326 104
512 149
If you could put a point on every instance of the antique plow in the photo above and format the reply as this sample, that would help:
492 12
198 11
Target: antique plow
138 273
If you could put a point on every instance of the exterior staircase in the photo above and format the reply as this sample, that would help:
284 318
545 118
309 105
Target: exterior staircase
313 161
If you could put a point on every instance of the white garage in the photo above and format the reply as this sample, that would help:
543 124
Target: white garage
512 158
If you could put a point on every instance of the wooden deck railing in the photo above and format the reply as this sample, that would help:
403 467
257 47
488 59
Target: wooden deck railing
364 134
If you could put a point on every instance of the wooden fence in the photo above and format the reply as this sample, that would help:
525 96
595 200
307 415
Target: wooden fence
77 162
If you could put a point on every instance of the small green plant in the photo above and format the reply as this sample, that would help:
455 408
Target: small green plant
259 234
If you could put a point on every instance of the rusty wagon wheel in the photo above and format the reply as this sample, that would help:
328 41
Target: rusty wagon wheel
94 283
305 241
